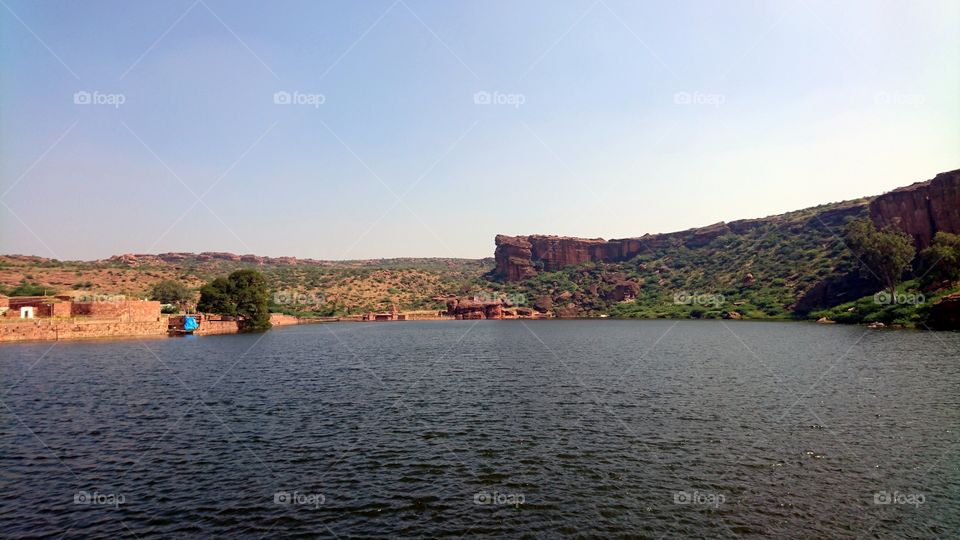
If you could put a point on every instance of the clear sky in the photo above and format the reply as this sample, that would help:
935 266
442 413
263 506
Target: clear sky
599 118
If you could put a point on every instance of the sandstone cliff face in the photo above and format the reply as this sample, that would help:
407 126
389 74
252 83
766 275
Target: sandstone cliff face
513 257
921 209
467 309
520 257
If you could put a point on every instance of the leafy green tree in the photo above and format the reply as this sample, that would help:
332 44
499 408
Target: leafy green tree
217 297
883 254
244 293
251 298
32 289
171 292
941 261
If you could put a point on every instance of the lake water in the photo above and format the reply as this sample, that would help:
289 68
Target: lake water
546 429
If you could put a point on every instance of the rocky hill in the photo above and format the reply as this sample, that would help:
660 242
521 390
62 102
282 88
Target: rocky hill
778 266
787 265
921 210
299 285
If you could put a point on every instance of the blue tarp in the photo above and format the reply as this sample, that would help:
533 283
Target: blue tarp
190 324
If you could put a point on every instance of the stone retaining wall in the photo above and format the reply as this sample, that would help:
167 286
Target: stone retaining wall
59 329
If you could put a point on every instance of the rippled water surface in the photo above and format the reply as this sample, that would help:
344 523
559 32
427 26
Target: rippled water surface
489 428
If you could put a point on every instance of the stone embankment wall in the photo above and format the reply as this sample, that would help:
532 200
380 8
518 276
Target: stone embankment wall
279 319
213 327
208 324
59 329
134 311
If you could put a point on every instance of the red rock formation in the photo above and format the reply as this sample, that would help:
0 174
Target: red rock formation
467 309
219 255
557 252
921 209
518 257
625 290
513 257
174 257
291 261
251 258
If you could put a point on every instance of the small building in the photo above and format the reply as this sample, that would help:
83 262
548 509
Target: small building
37 306
29 307
392 315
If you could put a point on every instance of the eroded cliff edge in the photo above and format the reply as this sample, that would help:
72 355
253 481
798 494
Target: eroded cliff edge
921 209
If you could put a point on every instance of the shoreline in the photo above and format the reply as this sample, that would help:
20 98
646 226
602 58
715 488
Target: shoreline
116 333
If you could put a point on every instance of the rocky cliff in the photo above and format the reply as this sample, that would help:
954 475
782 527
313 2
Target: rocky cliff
521 257
922 209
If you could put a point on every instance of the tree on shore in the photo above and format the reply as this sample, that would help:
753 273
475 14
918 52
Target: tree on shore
243 293
170 291
882 254
251 297
941 261
217 297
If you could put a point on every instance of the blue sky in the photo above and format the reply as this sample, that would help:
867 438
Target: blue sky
606 119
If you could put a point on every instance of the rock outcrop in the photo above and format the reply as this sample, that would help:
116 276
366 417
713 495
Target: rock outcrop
921 209
138 259
469 309
513 257
625 290
521 257
833 290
